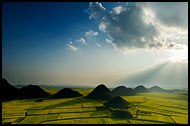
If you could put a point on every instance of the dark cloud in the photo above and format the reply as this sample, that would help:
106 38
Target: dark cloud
127 27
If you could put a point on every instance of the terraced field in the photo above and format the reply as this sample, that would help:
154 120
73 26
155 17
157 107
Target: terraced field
147 108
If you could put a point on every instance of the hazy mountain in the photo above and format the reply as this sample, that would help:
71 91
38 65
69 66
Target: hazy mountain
123 91
156 89
141 89
167 75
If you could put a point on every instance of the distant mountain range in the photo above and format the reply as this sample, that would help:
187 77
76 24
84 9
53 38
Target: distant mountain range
54 86
167 75
101 92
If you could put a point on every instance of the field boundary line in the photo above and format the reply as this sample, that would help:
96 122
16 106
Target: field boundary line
73 118
152 121
172 118
162 110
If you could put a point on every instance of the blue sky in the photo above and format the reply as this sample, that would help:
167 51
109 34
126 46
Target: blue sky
41 23
82 43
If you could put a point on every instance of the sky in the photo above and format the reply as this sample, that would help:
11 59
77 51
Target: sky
85 44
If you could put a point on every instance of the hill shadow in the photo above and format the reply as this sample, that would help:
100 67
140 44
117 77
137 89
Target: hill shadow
71 102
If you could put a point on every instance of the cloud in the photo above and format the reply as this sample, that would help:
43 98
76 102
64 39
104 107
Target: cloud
108 41
134 26
126 29
91 33
72 47
98 44
118 9
102 27
97 10
71 42
173 14
82 40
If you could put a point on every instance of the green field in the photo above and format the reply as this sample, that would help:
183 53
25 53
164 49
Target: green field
147 108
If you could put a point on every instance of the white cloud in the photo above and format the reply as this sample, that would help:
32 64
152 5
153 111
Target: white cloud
137 26
102 27
118 9
97 10
98 44
71 42
82 40
72 47
91 33
108 41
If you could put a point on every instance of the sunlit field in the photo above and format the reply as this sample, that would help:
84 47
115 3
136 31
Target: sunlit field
147 108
